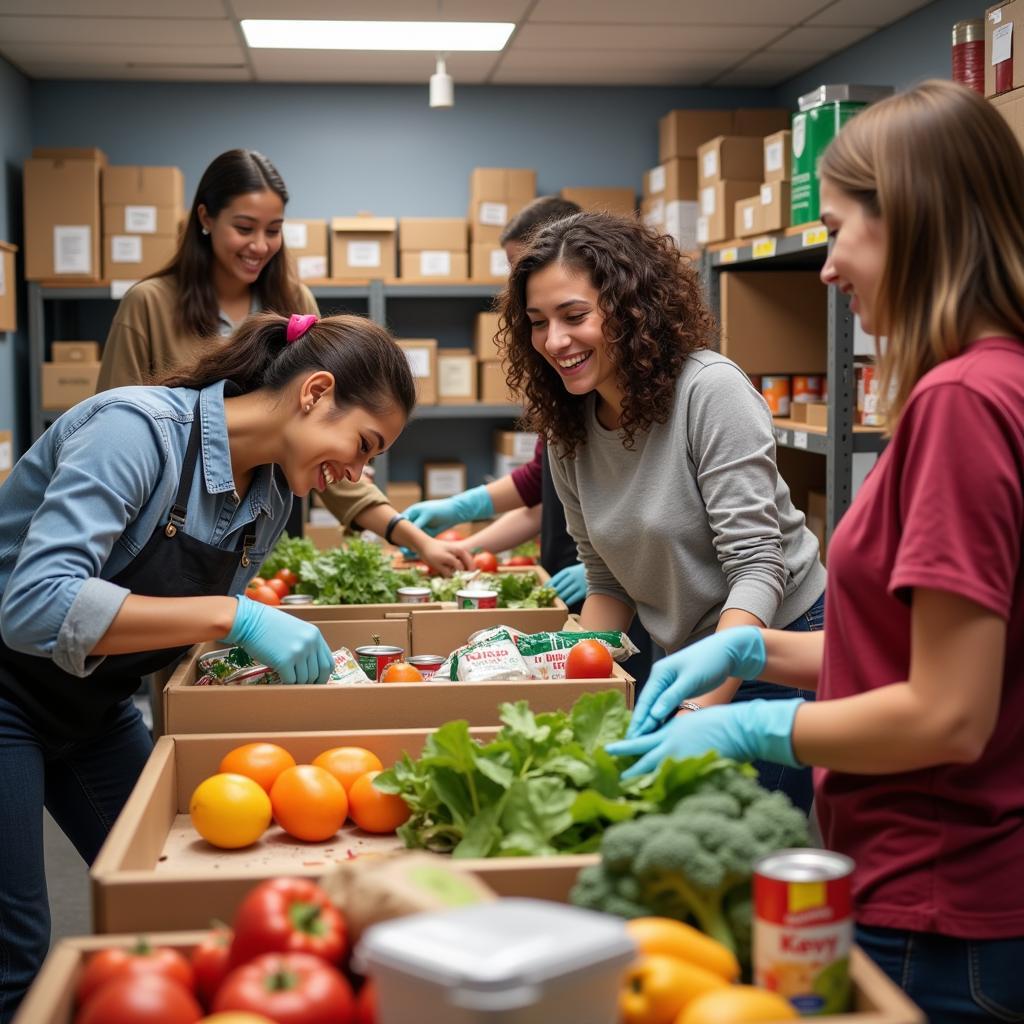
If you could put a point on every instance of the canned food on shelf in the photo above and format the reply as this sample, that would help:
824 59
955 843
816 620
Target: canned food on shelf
374 658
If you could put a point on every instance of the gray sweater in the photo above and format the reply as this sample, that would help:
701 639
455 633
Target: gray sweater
695 519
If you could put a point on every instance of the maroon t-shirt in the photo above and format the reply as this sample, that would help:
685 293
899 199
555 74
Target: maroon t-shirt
940 849
527 478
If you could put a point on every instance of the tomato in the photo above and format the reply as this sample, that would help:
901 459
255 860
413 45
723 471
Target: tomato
674 938
520 560
346 764
210 963
589 659
230 811
401 672
451 534
264 594
279 587
290 988
145 999
231 1017
374 811
485 561
256 581
366 1004
109 964
656 988
289 577
309 802
261 762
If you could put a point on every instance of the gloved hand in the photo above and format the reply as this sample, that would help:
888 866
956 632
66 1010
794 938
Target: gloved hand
295 650
434 516
696 670
570 583
755 730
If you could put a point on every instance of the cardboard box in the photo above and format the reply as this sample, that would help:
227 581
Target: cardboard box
681 132
8 288
130 257
363 247
681 218
775 205
422 356
324 537
67 384
1004 67
674 179
306 242
652 211
774 323
443 479
488 263
730 158
1011 106
759 121
493 389
718 208
816 414
456 376
62 214
6 454
403 493
444 233
434 265
143 186
518 444
75 352
500 183
607 200
747 217
778 156
124 219
488 217
484 335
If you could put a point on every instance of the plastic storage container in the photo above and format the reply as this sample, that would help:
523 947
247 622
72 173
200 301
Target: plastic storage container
513 961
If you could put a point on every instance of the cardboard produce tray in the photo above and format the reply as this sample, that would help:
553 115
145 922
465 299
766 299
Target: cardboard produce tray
155 872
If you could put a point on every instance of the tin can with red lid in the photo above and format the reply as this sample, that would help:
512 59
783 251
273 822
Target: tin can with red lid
428 664
374 658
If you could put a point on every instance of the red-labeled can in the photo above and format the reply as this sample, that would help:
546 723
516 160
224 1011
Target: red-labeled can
476 598
414 595
428 664
374 658
803 928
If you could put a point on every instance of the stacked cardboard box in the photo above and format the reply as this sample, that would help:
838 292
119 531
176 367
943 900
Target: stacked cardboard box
512 448
142 213
70 377
306 242
6 454
362 247
433 249
8 289
729 168
604 200
1002 72
496 195
670 200
493 390
457 382
422 356
769 210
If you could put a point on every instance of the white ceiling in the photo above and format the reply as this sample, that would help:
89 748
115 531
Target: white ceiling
556 42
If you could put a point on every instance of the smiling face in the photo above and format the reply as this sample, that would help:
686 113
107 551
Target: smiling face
246 235
857 256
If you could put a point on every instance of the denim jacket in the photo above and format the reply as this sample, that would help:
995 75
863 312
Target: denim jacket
85 499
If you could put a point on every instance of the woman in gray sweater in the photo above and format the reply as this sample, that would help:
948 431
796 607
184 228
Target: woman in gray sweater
661 450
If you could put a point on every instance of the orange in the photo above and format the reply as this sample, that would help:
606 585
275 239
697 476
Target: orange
346 764
372 810
309 802
229 811
737 1004
401 672
669 937
261 762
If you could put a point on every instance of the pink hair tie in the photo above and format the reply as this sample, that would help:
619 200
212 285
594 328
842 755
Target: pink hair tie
298 324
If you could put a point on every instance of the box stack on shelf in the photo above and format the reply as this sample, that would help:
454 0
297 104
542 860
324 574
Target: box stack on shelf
512 448
729 167
8 288
71 374
422 356
306 242
433 249
603 200
363 247
493 390
1004 76
496 195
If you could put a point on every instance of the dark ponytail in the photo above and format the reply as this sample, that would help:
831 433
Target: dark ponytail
370 370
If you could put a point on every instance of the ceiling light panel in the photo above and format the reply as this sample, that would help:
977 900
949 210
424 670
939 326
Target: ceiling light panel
446 36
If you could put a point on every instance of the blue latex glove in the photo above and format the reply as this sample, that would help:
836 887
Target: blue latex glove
295 650
434 516
754 730
570 583
696 670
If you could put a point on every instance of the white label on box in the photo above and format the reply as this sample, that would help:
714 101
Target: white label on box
455 377
72 249
119 288
656 179
419 361
499 263
363 254
766 195
126 248
707 201
995 16
443 483
710 163
495 214
435 263
655 215
296 234
311 266
799 438
140 220
1002 43
703 230
681 222
748 218
524 444
773 156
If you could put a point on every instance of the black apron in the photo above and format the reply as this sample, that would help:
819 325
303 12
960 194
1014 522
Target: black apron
172 564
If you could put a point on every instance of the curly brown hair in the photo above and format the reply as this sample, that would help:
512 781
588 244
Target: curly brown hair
654 317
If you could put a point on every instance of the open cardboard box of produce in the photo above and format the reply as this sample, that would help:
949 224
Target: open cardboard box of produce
194 709
156 872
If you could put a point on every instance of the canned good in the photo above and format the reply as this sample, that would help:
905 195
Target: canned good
296 599
868 412
428 664
806 387
414 595
775 390
476 598
374 658
803 928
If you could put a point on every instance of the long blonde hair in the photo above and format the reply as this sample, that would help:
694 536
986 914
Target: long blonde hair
944 172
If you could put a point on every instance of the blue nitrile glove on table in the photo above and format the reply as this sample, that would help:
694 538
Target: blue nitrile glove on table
755 730
434 516
570 583
696 670
295 650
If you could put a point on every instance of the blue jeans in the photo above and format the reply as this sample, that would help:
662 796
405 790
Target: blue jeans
954 981
83 784
796 783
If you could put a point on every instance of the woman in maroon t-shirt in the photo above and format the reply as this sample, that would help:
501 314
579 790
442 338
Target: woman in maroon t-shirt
917 732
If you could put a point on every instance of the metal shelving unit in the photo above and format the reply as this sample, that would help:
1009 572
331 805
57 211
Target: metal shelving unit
806 250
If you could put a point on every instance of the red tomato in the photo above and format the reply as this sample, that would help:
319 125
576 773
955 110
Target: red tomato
210 963
264 594
485 561
366 1004
589 659
451 534
288 915
520 560
279 587
291 578
149 999
256 581
290 988
108 964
